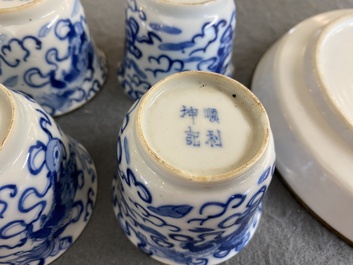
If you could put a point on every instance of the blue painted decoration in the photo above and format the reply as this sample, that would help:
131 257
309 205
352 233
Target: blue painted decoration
41 223
59 80
150 54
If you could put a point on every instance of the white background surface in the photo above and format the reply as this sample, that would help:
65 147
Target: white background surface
287 234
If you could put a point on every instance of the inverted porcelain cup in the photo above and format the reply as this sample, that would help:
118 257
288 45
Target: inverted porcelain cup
48 183
46 51
195 158
163 37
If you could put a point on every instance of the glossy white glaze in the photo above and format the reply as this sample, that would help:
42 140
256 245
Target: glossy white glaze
167 37
13 3
6 114
313 155
48 184
187 2
48 53
334 56
197 124
161 186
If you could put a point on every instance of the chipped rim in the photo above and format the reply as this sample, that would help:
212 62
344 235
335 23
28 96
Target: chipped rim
234 173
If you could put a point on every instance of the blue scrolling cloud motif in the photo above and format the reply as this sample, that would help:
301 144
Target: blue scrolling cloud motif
132 220
219 228
131 64
143 222
133 82
12 192
171 65
80 54
67 85
132 37
133 7
90 204
218 63
64 178
23 52
181 46
209 49
142 191
219 208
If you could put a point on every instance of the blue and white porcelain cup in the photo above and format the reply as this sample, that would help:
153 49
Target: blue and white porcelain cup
163 37
196 156
48 183
46 51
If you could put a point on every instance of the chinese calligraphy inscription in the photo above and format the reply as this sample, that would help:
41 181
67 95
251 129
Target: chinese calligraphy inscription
197 138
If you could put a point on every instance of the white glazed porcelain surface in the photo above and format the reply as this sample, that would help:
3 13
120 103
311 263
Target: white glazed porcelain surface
165 37
314 154
47 52
48 185
13 3
175 214
202 126
187 2
6 116
332 62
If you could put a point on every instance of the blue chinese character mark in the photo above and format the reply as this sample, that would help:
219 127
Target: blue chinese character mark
189 112
214 138
192 138
211 114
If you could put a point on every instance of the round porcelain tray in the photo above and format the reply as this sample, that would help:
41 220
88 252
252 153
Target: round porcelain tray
305 82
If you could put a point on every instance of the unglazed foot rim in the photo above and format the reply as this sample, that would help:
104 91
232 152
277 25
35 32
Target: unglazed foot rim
313 213
305 130
260 119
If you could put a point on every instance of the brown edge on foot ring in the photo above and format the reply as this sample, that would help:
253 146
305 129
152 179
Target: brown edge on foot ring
312 213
